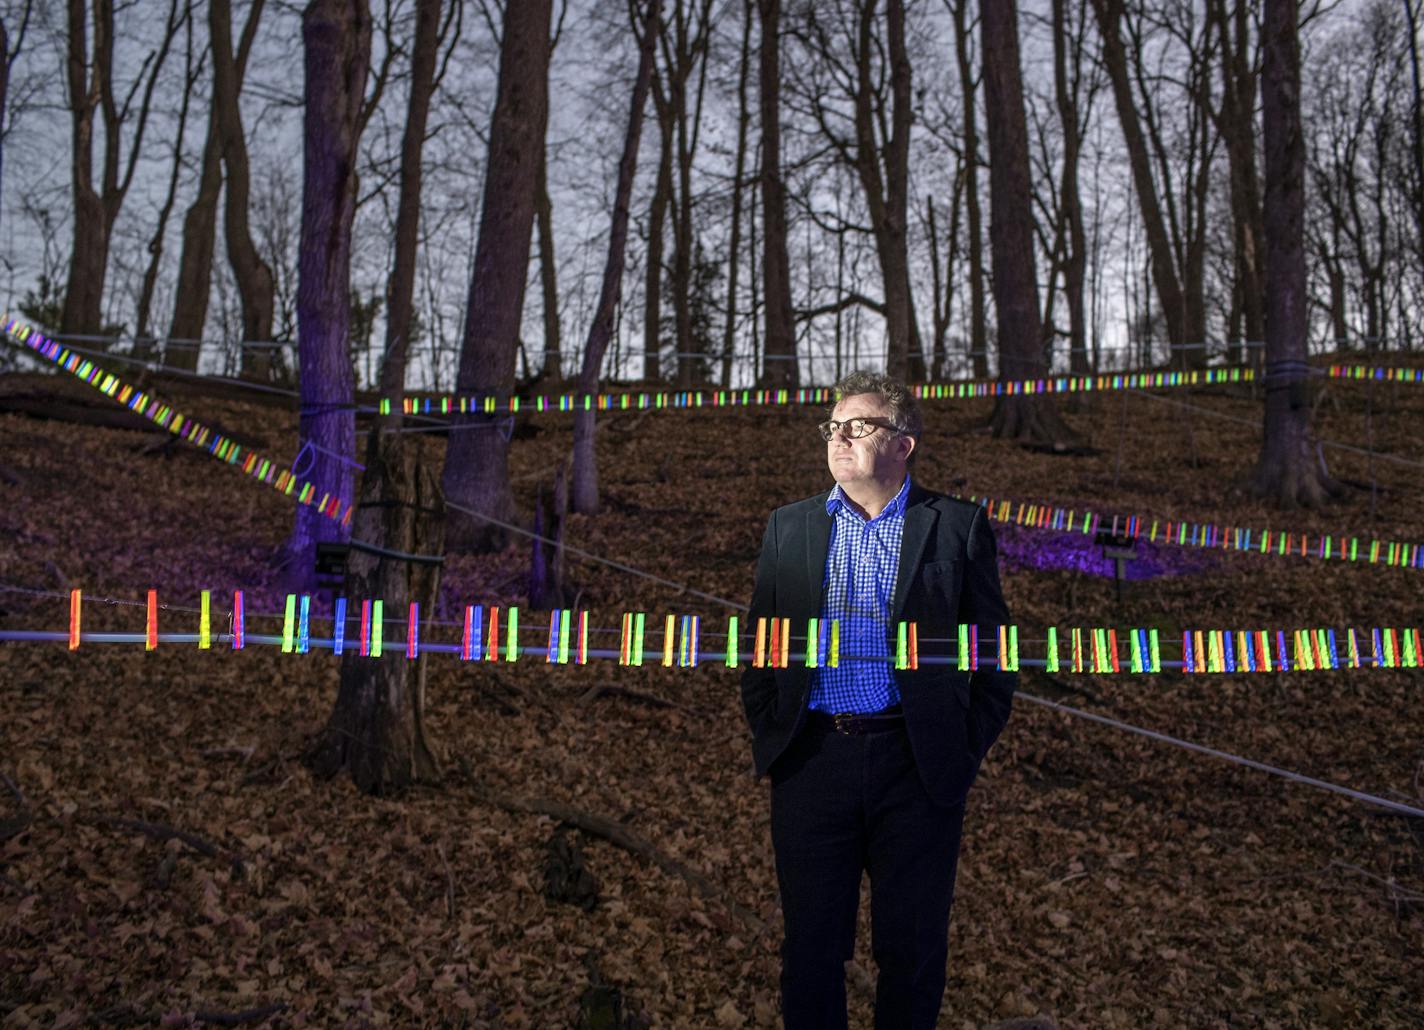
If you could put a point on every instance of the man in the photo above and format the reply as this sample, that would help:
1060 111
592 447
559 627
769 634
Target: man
870 765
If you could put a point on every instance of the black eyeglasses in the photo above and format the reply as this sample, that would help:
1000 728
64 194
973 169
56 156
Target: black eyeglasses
856 427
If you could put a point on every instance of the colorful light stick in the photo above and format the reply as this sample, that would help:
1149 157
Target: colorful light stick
1095 650
304 625
75 602
494 404
1039 515
377 627
238 621
289 624
165 416
338 627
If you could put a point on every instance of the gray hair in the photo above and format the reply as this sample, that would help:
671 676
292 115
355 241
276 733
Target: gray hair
904 408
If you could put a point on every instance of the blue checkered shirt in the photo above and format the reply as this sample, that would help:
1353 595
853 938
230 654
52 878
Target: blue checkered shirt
861 565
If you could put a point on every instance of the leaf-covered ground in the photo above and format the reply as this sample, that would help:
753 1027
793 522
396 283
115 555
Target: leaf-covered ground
1106 880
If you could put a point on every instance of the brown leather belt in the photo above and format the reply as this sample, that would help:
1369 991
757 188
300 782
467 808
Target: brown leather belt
854 724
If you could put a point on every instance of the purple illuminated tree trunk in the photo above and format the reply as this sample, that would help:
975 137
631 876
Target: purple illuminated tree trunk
337 42
1289 471
585 463
476 473
1011 237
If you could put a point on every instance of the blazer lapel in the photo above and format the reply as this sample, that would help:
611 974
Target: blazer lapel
818 546
919 523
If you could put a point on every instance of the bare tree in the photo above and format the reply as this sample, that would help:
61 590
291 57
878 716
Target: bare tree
968 87
1072 245
192 69
551 367
781 367
734 245
476 472
1289 470
10 51
600 331
92 91
1236 122
255 284
1175 230
654 271
195 261
336 36
684 46
1011 233
400 292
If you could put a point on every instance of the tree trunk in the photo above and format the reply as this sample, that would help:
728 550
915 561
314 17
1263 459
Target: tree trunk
476 472
781 367
143 343
1070 200
401 291
255 285
1289 471
978 303
337 42
653 274
1011 234
88 258
1164 274
734 246
546 564
689 48
96 210
376 730
195 262
600 331
1236 124
551 369
4 89
886 185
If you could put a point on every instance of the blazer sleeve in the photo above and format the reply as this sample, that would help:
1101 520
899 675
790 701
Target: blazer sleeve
981 603
759 685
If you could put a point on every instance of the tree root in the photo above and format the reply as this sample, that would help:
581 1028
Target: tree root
629 840
164 832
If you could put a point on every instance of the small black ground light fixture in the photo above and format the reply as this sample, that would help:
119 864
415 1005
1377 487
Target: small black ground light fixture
1121 548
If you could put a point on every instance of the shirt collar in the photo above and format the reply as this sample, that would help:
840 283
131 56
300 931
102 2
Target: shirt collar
895 509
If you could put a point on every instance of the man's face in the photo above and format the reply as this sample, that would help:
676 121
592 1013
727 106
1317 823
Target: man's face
879 457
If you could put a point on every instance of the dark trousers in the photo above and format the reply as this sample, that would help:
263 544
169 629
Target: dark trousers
839 806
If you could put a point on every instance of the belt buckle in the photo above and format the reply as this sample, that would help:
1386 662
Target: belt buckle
848 724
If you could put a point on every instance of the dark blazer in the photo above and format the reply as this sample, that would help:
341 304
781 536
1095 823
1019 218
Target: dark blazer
948 575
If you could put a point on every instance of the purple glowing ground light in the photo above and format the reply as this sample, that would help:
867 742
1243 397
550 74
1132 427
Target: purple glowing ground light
1021 548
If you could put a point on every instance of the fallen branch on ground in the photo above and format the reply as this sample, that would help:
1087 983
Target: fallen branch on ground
629 840
164 832
598 690
14 827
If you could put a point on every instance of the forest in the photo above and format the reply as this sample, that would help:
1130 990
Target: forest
512 320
